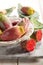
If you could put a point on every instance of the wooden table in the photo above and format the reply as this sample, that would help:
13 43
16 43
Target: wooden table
22 61
35 58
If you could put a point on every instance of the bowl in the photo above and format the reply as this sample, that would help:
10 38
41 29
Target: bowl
24 37
20 13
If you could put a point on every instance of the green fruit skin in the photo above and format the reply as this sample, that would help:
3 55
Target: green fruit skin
33 36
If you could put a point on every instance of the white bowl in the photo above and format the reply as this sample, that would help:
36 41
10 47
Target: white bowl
26 36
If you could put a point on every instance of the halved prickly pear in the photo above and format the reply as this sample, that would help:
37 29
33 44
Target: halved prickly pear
37 35
28 45
27 10
12 33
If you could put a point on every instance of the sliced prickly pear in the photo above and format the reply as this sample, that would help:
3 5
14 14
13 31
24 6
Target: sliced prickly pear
27 10
11 33
37 35
28 45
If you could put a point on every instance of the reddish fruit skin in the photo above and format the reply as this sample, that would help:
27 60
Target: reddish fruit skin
24 10
7 25
4 25
11 34
30 45
39 35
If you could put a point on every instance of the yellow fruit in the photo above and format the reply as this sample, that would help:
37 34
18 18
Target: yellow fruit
27 10
22 30
30 11
1 32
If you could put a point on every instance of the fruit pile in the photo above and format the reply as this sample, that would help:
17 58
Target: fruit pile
30 44
15 29
25 11
12 30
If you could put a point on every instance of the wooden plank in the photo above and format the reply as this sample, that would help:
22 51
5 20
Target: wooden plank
8 62
31 61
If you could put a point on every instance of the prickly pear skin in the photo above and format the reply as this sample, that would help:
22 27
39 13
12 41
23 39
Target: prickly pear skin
37 35
28 45
24 10
12 34
27 10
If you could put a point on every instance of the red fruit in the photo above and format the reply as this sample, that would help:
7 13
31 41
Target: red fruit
7 25
39 35
11 34
27 11
24 10
30 45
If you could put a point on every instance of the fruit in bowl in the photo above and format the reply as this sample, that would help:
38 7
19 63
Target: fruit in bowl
26 11
17 29
29 45
12 33
4 22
